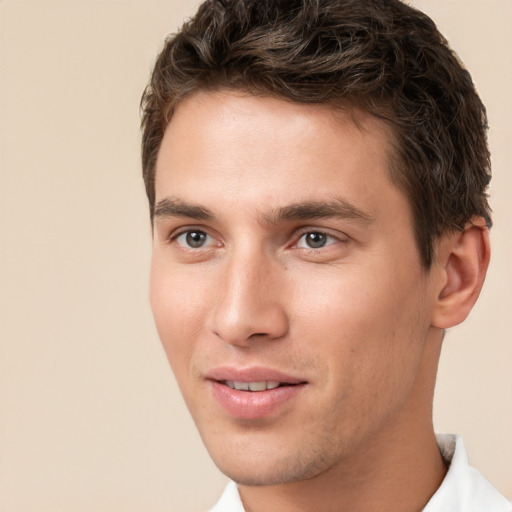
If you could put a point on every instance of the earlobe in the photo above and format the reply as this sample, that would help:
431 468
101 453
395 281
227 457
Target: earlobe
463 258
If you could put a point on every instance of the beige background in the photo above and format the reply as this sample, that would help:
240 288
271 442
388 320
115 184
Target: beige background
90 417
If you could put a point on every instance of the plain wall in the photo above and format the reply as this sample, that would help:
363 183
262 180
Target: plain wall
90 416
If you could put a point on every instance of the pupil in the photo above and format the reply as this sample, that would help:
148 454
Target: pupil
196 238
316 240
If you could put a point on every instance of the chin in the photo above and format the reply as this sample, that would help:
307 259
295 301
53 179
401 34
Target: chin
252 471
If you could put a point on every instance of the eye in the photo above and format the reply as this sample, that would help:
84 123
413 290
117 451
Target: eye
315 240
194 239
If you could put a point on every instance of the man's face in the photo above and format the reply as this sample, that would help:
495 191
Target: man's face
284 261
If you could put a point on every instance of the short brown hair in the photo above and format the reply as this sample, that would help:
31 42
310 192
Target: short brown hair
381 55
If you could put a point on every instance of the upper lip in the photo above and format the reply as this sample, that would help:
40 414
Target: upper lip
251 374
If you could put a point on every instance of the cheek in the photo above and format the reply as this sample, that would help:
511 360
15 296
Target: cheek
177 308
345 303
371 333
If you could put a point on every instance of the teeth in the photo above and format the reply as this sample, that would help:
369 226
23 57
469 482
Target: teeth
257 386
242 386
252 386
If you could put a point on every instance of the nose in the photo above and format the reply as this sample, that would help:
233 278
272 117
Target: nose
249 302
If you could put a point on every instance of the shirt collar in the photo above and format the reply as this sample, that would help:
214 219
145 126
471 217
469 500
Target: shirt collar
463 489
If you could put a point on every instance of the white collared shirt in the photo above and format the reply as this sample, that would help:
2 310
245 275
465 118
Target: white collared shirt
464 489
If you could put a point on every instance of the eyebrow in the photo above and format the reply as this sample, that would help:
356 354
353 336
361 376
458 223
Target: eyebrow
335 208
174 207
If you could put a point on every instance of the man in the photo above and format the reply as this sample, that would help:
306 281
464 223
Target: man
316 172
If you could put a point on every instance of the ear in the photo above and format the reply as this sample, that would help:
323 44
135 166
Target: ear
462 258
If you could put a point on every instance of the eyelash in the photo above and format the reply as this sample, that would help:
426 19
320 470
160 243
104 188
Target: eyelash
328 239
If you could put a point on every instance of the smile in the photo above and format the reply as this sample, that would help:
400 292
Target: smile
254 394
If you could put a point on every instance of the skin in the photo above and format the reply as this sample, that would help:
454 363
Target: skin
355 316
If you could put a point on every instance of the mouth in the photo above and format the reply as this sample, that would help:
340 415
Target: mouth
255 393
252 378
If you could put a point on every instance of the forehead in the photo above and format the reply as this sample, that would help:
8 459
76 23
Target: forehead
281 117
266 151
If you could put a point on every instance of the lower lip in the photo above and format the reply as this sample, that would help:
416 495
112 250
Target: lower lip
252 405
